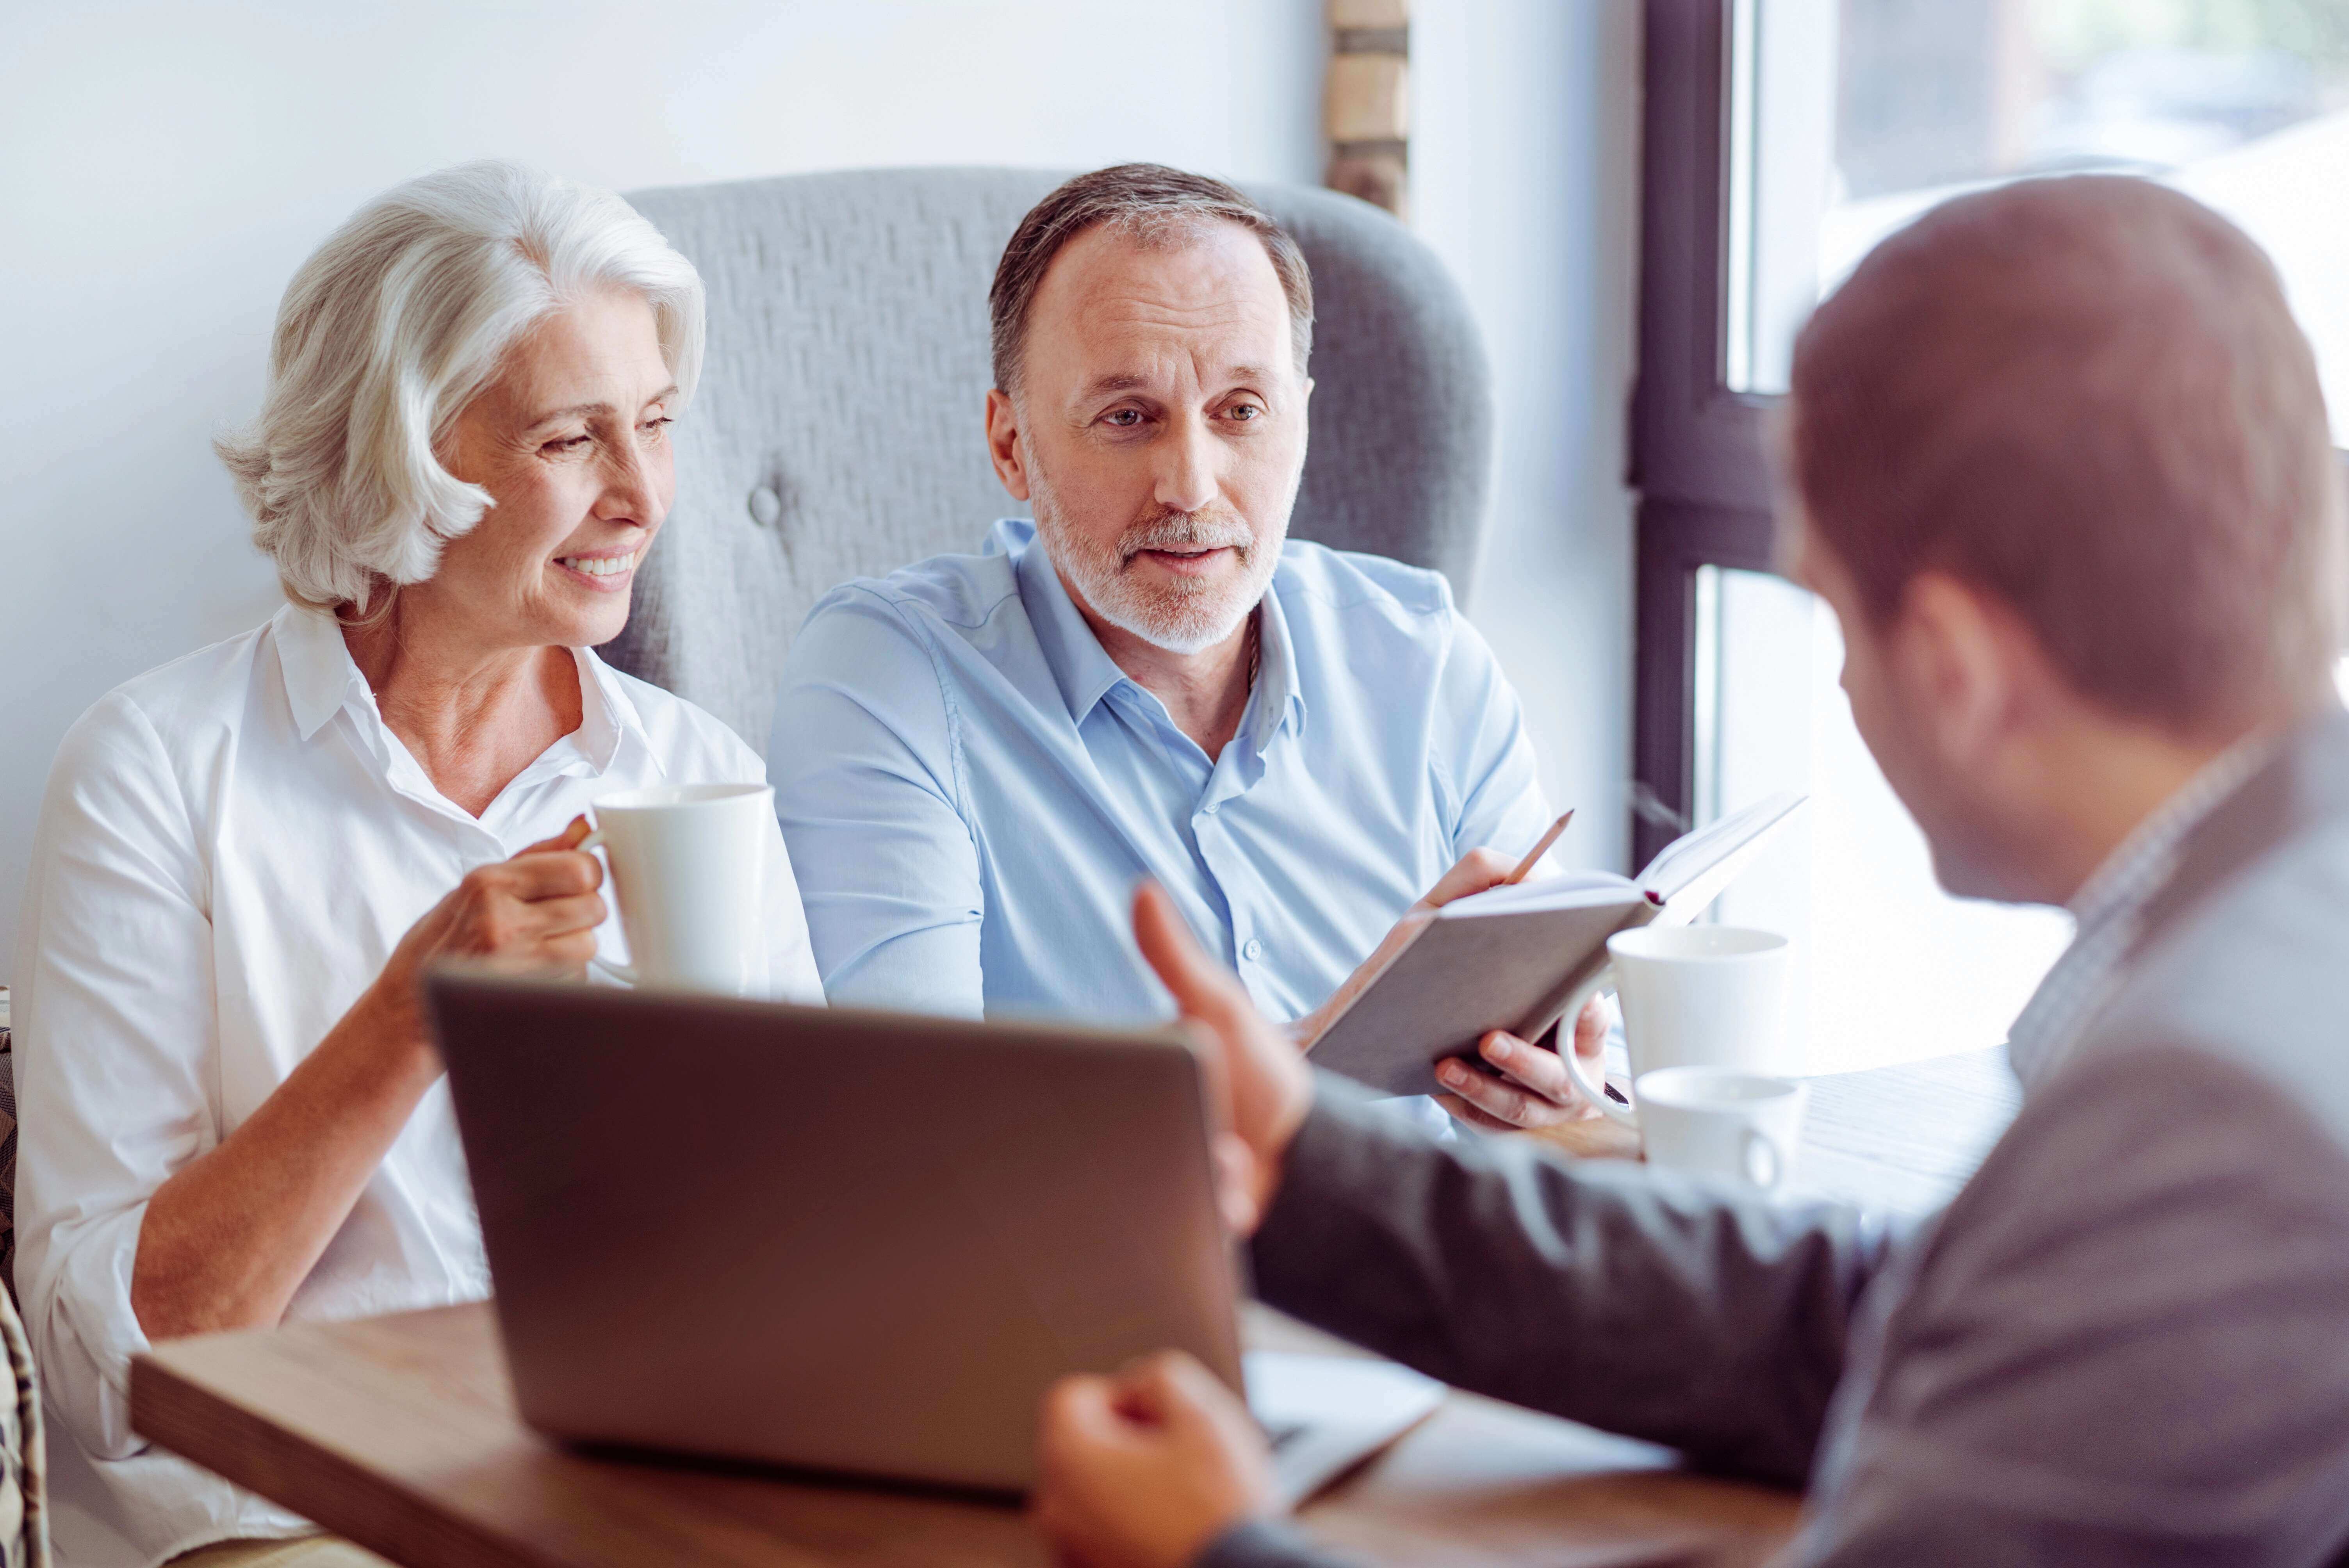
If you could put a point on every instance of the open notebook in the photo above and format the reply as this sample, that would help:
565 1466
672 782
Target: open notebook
1511 957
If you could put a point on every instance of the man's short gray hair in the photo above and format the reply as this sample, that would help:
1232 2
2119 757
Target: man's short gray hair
1152 205
398 321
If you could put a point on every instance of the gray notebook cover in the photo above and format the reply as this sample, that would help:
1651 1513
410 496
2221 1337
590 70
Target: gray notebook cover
1463 977
1516 970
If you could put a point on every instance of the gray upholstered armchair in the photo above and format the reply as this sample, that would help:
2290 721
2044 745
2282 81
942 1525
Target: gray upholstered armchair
838 429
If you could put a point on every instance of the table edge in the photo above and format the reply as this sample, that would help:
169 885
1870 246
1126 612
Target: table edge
175 1408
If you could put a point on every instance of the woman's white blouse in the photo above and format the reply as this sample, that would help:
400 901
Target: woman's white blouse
228 849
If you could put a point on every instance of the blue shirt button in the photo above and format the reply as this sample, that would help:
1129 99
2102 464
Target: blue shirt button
1253 951
1211 807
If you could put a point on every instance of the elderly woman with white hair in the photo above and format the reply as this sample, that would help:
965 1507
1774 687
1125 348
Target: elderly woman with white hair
232 1110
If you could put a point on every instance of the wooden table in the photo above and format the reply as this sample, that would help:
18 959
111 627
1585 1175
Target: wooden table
1901 1138
401 1433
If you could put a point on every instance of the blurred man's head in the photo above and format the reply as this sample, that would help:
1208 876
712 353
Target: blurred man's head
2060 462
1151 332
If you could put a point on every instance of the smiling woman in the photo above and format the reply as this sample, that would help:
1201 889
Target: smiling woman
233 1111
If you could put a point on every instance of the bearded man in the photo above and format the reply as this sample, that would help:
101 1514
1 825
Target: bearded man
977 757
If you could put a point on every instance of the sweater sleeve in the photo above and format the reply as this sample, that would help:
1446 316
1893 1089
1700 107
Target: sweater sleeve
1602 1291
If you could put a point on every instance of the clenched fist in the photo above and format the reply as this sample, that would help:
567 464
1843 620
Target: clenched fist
1143 1470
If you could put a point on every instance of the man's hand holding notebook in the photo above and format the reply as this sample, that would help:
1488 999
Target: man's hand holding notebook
1512 957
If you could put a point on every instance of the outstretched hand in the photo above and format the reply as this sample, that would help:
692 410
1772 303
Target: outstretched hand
1259 1085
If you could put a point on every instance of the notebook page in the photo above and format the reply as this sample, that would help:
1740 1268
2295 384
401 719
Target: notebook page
1566 890
1690 872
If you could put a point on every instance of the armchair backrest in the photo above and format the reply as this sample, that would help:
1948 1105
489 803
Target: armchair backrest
838 429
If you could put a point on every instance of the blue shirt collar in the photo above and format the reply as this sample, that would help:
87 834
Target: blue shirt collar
1082 668
1280 693
1079 664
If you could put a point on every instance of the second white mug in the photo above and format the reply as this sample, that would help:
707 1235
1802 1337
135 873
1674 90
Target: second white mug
687 875
1718 1121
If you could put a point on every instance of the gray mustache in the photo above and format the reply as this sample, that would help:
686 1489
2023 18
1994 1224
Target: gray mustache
1185 531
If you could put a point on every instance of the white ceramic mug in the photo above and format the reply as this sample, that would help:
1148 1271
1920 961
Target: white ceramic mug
687 874
1718 1121
1693 995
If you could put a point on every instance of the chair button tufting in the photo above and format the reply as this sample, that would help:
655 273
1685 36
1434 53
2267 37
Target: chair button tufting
766 507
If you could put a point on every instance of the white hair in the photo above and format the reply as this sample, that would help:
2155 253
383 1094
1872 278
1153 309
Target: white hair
391 328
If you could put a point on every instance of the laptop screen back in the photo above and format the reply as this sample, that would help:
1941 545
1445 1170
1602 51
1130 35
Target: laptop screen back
847 1241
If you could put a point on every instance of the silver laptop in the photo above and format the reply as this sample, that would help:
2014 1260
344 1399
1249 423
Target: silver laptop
851 1240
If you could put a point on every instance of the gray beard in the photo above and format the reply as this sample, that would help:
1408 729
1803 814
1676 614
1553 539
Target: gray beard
1179 616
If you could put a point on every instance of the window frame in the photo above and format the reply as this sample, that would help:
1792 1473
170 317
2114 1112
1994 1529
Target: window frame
1697 460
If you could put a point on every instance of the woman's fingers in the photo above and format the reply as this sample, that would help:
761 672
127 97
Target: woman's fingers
537 874
569 839
514 907
552 868
563 951
570 950
556 916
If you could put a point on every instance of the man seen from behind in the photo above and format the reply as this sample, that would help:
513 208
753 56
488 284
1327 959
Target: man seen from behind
2058 459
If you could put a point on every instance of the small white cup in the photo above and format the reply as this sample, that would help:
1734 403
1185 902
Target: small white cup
1693 995
688 863
1718 1121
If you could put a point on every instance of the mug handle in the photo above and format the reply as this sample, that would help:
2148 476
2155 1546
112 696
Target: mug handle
625 974
1764 1166
1596 1093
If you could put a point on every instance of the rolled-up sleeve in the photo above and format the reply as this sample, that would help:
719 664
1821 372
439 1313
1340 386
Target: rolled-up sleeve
862 756
116 1029
1595 1290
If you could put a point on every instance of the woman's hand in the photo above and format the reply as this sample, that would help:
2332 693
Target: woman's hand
1534 1088
533 914
227 1240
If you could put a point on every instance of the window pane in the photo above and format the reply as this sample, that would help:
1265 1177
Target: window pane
1887 967
2243 104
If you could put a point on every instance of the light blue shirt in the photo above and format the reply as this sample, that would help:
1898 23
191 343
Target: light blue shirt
971 787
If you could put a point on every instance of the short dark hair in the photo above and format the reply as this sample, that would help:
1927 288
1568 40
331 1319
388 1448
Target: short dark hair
2086 396
1154 205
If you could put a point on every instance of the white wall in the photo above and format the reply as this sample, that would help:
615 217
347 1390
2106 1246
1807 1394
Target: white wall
1526 177
164 167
